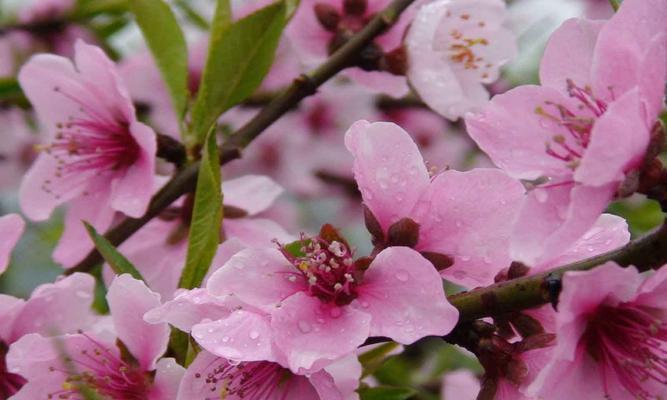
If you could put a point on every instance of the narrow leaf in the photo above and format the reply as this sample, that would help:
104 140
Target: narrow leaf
373 359
167 43
204 234
386 393
239 57
118 263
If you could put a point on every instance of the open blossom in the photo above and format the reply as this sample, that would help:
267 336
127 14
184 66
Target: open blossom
52 309
319 306
159 249
60 367
212 377
461 221
319 27
611 331
11 229
99 158
454 48
588 125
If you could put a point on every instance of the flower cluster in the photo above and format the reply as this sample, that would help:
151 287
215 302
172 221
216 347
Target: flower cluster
422 197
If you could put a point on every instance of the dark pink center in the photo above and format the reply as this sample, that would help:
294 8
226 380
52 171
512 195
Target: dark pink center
101 371
577 124
90 144
249 381
328 268
630 344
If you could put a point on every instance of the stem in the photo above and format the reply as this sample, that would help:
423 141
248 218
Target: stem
303 86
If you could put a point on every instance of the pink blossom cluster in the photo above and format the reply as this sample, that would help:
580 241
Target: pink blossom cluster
362 216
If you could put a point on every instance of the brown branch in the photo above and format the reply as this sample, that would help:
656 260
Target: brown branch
305 85
648 252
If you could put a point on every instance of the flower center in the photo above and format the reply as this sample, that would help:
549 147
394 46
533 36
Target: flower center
629 342
577 124
9 383
92 142
326 263
104 373
249 381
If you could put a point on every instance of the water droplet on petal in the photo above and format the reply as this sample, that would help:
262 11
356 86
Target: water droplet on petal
254 335
402 276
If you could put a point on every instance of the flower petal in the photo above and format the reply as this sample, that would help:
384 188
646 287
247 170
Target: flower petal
258 277
11 229
313 334
189 308
252 193
129 299
404 295
388 167
167 380
242 336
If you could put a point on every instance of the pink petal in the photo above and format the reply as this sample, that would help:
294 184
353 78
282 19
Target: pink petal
511 132
10 308
552 219
623 43
652 78
75 242
569 54
11 229
252 193
132 192
388 167
324 384
468 216
618 142
305 32
346 373
189 308
129 299
167 380
258 232
404 295
242 336
258 277
57 308
461 384
194 385
313 334
379 82
609 232
652 290
36 203
103 79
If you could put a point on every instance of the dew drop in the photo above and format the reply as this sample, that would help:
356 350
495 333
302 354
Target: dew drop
402 276
254 335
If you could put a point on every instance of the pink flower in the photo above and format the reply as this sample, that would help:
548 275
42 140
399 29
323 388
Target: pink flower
585 129
11 229
212 377
454 48
100 159
320 306
612 334
159 249
53 308
460 385
461 221
63 365
321 26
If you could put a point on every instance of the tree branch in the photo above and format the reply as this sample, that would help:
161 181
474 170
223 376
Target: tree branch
305 85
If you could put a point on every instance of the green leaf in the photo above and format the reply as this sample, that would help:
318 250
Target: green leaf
206 217
239 57
372 359
386 393
167 43
192 15
118 263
